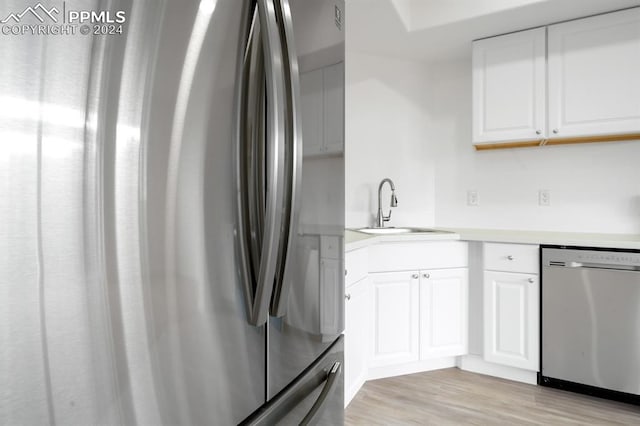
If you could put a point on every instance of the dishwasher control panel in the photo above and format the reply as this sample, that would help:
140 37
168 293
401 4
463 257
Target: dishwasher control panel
584 257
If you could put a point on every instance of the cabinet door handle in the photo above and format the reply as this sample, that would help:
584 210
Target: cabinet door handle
347 296
531 280
345 272
510 257
415 276
538 132
426 276
555 131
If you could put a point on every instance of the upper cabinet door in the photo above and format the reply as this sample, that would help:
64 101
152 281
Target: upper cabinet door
322 94
509 82
311 94
334 108
594 76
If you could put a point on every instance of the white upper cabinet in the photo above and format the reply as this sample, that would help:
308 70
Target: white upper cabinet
594 76
322 94
569 82
509 86
311 94
334 108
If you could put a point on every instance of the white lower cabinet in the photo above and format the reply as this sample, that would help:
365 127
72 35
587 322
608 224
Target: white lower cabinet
511 319
419 315
443 312
406 311
356 351
330 277
395 297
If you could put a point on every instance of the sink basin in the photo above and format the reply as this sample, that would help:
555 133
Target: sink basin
391 230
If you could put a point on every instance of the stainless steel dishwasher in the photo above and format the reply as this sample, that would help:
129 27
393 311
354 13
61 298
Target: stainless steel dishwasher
591 321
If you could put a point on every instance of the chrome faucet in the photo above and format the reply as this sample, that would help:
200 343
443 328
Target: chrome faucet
394 202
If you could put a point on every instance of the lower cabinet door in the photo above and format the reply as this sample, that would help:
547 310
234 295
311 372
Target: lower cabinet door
443 312
357 320
512 319
331 290
395 337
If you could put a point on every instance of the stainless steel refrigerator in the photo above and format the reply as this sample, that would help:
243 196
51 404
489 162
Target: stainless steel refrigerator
171 212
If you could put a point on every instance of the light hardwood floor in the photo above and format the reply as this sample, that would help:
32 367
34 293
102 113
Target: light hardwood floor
455 397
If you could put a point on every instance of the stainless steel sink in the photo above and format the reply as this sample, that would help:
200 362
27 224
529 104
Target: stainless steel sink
391 230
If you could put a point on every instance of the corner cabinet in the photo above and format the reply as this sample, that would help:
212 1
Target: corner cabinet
419 315
594 76
420 305
396 313
579 77
509 83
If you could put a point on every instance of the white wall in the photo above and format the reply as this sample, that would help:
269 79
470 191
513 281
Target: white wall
594 187
386 136
433 13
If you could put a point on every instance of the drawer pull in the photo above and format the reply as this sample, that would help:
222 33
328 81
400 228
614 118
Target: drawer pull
415 276
531 280
426 276
510 257
347 296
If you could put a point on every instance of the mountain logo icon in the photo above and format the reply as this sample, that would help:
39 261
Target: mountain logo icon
39 11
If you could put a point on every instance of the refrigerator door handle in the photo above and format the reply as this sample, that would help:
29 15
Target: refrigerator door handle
294 149
327 390
258 270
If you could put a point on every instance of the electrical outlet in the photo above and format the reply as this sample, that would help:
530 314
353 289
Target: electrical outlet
544 197
472 198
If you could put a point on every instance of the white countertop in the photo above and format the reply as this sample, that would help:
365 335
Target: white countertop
355 240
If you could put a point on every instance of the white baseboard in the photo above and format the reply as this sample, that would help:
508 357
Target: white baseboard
476 364
410 368
350 393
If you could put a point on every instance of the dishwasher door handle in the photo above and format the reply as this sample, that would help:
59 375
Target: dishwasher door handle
590 265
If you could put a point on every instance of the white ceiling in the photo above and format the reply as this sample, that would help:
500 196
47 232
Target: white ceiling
437 30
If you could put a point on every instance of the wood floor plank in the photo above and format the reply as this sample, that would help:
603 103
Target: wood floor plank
455 397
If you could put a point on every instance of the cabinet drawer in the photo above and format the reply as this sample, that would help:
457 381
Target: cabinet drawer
356 263
522 258
410 256
329 247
